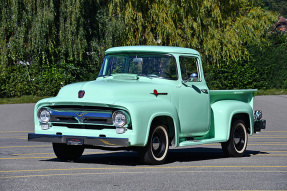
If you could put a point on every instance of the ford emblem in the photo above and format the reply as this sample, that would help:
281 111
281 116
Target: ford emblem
81 93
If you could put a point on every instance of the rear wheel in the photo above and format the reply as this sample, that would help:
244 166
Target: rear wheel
68 152
156 150
237 143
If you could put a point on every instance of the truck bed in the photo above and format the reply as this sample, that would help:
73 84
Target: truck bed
246 96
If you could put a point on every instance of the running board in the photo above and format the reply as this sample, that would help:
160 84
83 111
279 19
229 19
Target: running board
200 142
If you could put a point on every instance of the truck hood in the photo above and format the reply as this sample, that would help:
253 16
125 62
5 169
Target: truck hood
108 91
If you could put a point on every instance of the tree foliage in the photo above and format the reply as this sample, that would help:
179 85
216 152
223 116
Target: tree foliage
47 44
218 29
276 5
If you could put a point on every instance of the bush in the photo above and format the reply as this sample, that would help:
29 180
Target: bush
47 44
265 69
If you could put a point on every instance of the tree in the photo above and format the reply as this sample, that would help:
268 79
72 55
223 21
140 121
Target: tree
219 29
47 44
276 5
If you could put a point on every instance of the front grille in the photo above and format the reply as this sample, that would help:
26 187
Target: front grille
86 117
96 117
63 119
79 108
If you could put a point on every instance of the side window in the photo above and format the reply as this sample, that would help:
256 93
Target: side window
189 68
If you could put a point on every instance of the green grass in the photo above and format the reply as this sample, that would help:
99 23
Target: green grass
23 99
34 99
271 92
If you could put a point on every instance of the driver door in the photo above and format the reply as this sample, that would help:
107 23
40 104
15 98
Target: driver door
194 102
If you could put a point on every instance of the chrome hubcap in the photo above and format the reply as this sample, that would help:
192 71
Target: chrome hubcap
155 143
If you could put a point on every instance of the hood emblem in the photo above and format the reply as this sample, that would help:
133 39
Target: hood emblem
80 114
156 93
81 93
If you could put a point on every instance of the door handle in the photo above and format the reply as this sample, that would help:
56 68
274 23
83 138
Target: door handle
204 91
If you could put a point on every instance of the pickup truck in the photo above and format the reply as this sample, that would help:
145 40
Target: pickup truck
146 98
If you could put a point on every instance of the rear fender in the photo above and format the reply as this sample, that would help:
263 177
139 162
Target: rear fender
223 113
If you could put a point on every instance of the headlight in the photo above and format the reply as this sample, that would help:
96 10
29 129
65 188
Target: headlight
44 115
120 118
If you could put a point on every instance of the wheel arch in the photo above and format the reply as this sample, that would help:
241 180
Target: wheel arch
144 113
225 112
244 117
168 122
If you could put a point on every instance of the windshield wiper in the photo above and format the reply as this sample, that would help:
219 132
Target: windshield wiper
151 76
148 76
142 75
104 76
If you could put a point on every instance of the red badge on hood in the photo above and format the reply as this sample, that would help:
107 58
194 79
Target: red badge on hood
156 93
81 93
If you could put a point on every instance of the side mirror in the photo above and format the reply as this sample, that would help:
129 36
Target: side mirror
193 77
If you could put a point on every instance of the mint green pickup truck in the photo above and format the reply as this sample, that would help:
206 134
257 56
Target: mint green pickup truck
146 98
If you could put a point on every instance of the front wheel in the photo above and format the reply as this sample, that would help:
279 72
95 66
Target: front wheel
67 152
237 143
156 150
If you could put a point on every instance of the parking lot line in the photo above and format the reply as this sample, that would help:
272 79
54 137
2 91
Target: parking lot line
142 167
140 172
267 154
268 137
26 146
23 158
105 152
261 143
54 153
266 144
16 131
33 154
12 137
272 142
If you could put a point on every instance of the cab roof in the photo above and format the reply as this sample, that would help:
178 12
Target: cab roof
152 49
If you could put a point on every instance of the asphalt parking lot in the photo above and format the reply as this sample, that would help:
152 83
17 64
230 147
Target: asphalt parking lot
33 166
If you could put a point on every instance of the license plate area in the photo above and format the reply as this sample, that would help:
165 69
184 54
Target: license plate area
74 141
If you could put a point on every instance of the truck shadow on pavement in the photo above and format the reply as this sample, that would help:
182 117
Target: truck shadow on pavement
130 158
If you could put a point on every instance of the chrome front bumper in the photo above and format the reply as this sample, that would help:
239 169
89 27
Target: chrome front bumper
94 141
259 124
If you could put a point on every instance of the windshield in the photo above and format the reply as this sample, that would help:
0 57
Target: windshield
153 66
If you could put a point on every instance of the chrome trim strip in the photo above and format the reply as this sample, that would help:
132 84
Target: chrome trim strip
95 141
81 117
81 114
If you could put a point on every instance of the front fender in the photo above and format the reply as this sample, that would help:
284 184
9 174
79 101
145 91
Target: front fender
143 113
223 113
